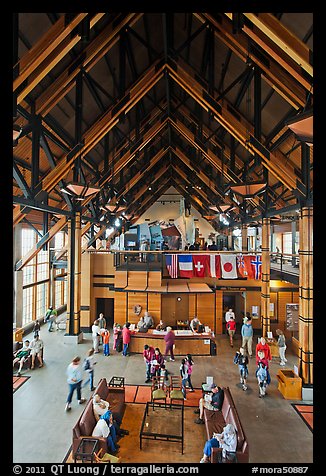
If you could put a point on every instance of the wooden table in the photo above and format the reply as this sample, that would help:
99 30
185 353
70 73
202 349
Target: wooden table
86 449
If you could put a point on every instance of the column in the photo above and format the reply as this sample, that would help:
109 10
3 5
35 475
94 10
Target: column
18 277
74 279
265 285
244 237
306 295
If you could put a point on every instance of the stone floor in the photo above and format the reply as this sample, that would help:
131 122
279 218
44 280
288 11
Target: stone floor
275 432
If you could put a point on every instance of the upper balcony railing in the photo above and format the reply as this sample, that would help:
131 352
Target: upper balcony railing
281 263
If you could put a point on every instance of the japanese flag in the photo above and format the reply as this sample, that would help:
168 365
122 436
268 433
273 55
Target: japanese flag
229 266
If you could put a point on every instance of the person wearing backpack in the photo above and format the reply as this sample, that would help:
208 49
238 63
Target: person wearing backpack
241 359
88 366
261 374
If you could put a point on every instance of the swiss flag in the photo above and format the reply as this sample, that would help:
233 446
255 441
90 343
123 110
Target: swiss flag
214 266
229 266
200 263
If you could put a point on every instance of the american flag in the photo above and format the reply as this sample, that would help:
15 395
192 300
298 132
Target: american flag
171 262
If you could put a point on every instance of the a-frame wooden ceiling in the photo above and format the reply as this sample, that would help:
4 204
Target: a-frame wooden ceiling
127 100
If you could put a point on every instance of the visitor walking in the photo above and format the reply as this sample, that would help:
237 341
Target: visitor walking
281 346
88 366
184 377
247 333
264 347
96 331
74 380
241 359
148 354
189 364
169 339
126 338
116 335
231 328
156 362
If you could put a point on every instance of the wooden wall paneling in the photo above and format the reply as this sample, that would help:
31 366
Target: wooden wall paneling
154 306
192 309
86 289
254 299
154 278
135 299
120 307
120 279
103 264
206 309
137 279
218 312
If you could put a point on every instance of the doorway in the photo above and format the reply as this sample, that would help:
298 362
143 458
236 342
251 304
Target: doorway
106 306
234 300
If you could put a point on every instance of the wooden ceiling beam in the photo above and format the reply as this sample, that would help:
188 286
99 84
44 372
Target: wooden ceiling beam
223 112
90 56
44 47
291 45
273 73
52 60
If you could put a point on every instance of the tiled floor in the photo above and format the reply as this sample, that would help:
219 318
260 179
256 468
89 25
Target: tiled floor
39 404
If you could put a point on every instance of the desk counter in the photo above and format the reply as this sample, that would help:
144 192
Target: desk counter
185 343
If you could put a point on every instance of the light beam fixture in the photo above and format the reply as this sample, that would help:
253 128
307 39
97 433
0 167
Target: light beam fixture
17 131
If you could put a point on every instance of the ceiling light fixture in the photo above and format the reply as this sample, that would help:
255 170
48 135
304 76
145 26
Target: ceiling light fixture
302 126
249 189
17 131
80 191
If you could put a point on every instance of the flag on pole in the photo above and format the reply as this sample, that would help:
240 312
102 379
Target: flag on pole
229 266
200 263
185 266
242 264
171 262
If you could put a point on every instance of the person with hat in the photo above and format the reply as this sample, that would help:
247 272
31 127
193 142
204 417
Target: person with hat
105 428
212 401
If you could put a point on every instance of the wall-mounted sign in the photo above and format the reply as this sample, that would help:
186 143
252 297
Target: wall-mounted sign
255 312
292 317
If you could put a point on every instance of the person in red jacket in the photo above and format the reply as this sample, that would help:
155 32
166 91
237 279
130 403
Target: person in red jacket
148 354
263 346
169 343
231 327
126 337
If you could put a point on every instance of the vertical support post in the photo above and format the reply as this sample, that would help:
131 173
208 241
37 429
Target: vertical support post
244 237
265 285
18 277
306 295
74 275
36 153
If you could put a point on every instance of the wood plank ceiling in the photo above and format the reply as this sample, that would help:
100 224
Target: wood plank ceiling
198 101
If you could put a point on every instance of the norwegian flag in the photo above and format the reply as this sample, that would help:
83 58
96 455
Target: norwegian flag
171 262
257 266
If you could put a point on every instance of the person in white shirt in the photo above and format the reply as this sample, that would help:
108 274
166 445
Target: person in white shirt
148 320
227 440
194 324
100 406
104 428
96 332
74 380
229 314
36 347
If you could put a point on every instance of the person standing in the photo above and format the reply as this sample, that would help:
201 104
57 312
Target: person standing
116 335
156 362
231 328
88 366
263 346
36 328
74 380
148 320
194 324
241 359
281 346
169 339
229 314
102 324
96 331
126 338
36 347
189 364
105 334
184 377
262 375
148 355
247 333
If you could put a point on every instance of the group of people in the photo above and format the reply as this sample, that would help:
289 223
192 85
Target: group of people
33 348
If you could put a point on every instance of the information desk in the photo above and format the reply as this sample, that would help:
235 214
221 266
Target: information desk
185 342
